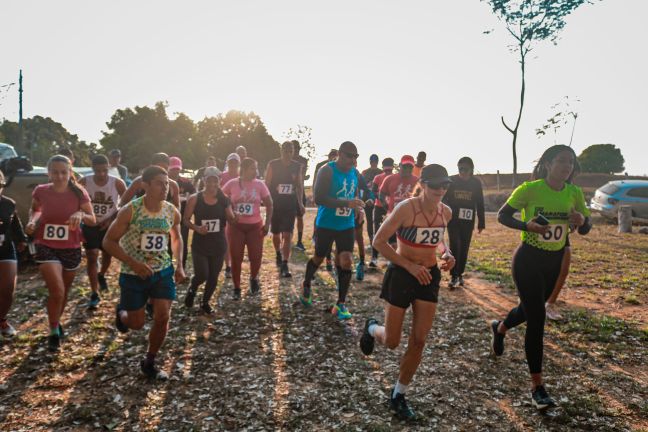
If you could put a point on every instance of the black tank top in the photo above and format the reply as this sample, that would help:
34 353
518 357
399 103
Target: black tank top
214 217
284 184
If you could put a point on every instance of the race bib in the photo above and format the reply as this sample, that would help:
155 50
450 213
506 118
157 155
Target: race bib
153 242
244 209
343 211
101 209
213 225
466 214
285 189
554 234
429 236
56 232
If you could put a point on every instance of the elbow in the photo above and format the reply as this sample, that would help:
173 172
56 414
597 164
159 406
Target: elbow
585 228
501 216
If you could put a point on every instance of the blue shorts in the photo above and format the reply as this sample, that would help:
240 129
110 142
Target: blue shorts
136 291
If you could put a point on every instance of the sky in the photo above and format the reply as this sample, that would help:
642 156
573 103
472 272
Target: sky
394 77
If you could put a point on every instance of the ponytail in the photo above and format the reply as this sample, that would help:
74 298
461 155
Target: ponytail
74 187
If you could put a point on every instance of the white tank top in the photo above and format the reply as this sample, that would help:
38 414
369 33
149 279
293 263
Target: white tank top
104 199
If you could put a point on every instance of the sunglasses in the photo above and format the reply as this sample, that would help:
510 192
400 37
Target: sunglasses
444 185
351 155
464 169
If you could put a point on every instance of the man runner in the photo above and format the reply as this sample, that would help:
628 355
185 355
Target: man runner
138 238
369 174
379 211
300 216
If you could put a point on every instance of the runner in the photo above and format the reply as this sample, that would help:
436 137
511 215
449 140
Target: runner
398 187
12 239
465 197
284 180
379 211
185 188
138 238
332 155
241 151
420 163
548 205
198 177
116 168
57 211
412 278
369 174
232 165
303 162
365 195
136 188
68 153
104 191
211 210
336 194
247 193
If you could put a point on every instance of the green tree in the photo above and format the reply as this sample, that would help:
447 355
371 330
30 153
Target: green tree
530 22
43 137
601 158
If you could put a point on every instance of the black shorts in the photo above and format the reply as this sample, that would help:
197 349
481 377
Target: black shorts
93 236
70 259
8 252
400 288
283 220
325 237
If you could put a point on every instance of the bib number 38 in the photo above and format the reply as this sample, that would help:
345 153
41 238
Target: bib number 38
56 232
154 242
554 234
429 236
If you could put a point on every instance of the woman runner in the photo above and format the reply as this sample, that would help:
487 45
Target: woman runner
549 205
247 193
211 210
12 238
412 278
55 217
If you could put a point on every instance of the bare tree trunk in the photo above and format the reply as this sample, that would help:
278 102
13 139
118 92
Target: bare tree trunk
573 129
514 131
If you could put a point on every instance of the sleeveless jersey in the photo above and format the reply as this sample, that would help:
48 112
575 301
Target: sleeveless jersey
343 186
212 215
284 183
147 237
428 236
104 199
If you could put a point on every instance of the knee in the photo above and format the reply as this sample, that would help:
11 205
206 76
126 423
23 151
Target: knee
136 322
161 318
416 343
392 342
346 261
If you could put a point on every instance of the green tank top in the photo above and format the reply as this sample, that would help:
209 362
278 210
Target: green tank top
536 197
147 238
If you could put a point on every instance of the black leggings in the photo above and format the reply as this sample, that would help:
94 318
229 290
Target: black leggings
460 234
379 214
370 224
535 272
206 270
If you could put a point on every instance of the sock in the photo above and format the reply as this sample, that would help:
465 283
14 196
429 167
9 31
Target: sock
54 328
150 358
399 389
311 268
362 259
299 236
372 329
344 277
278 254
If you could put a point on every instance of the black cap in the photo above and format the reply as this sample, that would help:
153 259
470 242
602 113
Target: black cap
373 157
434 174
115 152
388 162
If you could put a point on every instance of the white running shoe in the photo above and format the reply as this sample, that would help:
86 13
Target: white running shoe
7 330
552 312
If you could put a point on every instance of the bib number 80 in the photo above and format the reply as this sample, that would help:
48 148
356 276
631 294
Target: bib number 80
56 232
154 242
554 234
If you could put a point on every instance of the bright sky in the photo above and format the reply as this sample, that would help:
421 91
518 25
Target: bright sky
394 77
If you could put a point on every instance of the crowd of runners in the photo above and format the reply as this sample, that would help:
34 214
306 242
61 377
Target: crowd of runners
417 217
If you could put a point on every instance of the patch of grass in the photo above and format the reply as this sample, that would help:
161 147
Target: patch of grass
632 299
493 272
587 403
601 328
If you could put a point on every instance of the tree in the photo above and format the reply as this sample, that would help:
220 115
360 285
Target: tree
302 134
530 22
601 158
562 118
44 137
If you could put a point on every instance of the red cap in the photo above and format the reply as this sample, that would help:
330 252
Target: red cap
407 160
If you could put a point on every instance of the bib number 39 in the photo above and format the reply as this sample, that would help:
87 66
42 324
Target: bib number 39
56 232
343 211
466 214
554 234
429 236
245 209
154 242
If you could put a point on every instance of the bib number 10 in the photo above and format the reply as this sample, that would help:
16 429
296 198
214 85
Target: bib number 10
154 242
56 232
554 234
245 209
466 214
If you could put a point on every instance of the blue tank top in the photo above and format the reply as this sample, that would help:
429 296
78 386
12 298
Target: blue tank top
343 186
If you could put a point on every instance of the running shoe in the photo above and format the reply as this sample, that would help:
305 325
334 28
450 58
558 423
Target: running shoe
306 297
152 372
373 263
206 309
461 281
7 330
228 272
54 341
61 331
300 246
360 271
498 339
237 294
285 273
94 301
255 287
341 312
189 299
400 408
119 324
149 310
103 285
541 399
552 312
278 259
367 341
329 265
454 282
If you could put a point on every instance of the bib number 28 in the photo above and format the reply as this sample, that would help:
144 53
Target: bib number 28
554 234
56 232
429 236
154 242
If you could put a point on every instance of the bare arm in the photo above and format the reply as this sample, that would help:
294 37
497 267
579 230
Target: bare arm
175 193
177 246
129 193
111 245
268 175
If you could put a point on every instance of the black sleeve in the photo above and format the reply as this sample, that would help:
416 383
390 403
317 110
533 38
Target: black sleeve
17 233
586 227
322 187
447 198
506 218
479 202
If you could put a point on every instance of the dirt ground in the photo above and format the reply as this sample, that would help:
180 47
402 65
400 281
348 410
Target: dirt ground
266 363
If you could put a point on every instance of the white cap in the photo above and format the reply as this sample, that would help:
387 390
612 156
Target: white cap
211 172
233 156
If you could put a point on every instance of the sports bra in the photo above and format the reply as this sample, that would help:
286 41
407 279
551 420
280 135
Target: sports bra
424 237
